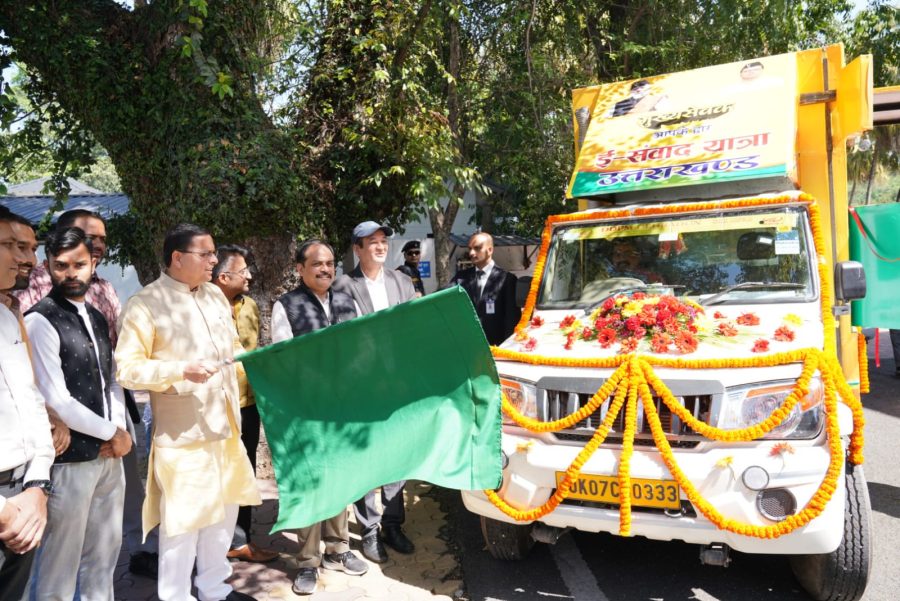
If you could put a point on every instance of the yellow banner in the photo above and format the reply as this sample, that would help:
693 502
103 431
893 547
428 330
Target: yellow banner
719 123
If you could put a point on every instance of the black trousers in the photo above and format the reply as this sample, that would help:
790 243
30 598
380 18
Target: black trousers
367 515
250 438
14 569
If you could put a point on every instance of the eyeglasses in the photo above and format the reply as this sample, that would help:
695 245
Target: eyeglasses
203 254
412 252
243 272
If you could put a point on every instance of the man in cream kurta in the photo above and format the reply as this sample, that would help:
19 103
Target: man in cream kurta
177 339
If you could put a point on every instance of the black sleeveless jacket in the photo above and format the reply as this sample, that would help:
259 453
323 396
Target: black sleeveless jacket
79 366
305 312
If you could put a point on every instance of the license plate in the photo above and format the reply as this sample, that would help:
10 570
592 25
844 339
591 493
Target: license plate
661 494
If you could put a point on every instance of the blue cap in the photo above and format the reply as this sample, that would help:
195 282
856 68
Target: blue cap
367 228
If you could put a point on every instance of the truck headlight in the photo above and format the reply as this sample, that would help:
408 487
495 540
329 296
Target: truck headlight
522 396
749 405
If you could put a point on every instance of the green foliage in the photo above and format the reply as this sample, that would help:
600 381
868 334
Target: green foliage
189 139
267 118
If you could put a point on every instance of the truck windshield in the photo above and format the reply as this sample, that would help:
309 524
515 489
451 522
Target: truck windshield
753 256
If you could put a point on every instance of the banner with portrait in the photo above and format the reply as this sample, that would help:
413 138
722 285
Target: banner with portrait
722 123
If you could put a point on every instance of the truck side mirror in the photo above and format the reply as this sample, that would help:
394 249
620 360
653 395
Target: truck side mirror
849 281
523 285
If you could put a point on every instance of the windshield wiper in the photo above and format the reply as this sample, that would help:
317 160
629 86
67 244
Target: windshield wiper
777 285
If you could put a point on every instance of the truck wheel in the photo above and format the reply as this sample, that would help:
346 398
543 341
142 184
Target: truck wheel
842 575
510 542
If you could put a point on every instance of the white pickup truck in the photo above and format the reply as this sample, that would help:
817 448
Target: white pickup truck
702 316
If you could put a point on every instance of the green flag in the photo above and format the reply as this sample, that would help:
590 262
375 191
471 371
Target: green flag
874 243
408 392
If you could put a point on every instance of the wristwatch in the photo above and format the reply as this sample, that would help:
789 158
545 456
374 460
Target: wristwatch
44 485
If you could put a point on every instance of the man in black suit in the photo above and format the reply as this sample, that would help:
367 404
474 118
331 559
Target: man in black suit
375 288
492 290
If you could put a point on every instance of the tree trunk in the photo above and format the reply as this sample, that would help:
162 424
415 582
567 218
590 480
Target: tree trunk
442 219
871 176
183 153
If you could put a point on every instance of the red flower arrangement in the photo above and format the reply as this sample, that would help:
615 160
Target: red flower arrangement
784 334
748 319
537 321
529 345
761 345
726 329
664 321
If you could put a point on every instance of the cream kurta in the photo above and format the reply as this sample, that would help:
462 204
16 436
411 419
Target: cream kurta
197 460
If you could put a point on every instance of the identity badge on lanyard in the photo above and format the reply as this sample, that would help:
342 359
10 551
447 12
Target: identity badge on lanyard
489 307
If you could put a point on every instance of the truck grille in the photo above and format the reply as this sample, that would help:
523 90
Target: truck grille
560 403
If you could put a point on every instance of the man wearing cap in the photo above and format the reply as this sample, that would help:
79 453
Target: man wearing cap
412 250
374 288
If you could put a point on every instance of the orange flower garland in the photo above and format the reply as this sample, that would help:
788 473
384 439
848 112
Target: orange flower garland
562 491
627 451
863 354
634 378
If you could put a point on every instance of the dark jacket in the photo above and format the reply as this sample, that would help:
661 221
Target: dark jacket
500 289
305 312
412 271
79 366
399 288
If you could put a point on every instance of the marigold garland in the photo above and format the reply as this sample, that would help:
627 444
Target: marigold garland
627 451
634 378
562 490
863 354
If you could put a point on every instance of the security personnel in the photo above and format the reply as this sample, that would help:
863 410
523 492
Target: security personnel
412 250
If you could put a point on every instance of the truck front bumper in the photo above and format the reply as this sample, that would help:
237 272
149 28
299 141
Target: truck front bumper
530 479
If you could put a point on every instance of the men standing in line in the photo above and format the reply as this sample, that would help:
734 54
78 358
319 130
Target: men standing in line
232 275
27 242
178 340
412 251
491 289
311 306
73 363
102 296
375 288
26 447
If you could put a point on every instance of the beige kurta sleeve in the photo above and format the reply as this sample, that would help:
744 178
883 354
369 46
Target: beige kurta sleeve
135 351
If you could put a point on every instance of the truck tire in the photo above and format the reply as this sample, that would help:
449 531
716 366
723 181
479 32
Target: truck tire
842 575
509 542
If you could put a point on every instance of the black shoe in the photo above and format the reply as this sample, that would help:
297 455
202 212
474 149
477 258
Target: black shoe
144 564
394 538
305 582
373 550
236 596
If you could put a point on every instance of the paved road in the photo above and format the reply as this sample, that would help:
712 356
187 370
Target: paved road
602 567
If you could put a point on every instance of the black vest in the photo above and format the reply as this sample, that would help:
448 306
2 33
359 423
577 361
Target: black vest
79 366
305 312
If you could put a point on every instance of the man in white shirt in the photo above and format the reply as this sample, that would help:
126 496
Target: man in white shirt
74 366
491 290
26 448
375 288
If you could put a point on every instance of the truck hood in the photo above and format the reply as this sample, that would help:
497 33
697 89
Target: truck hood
802 321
